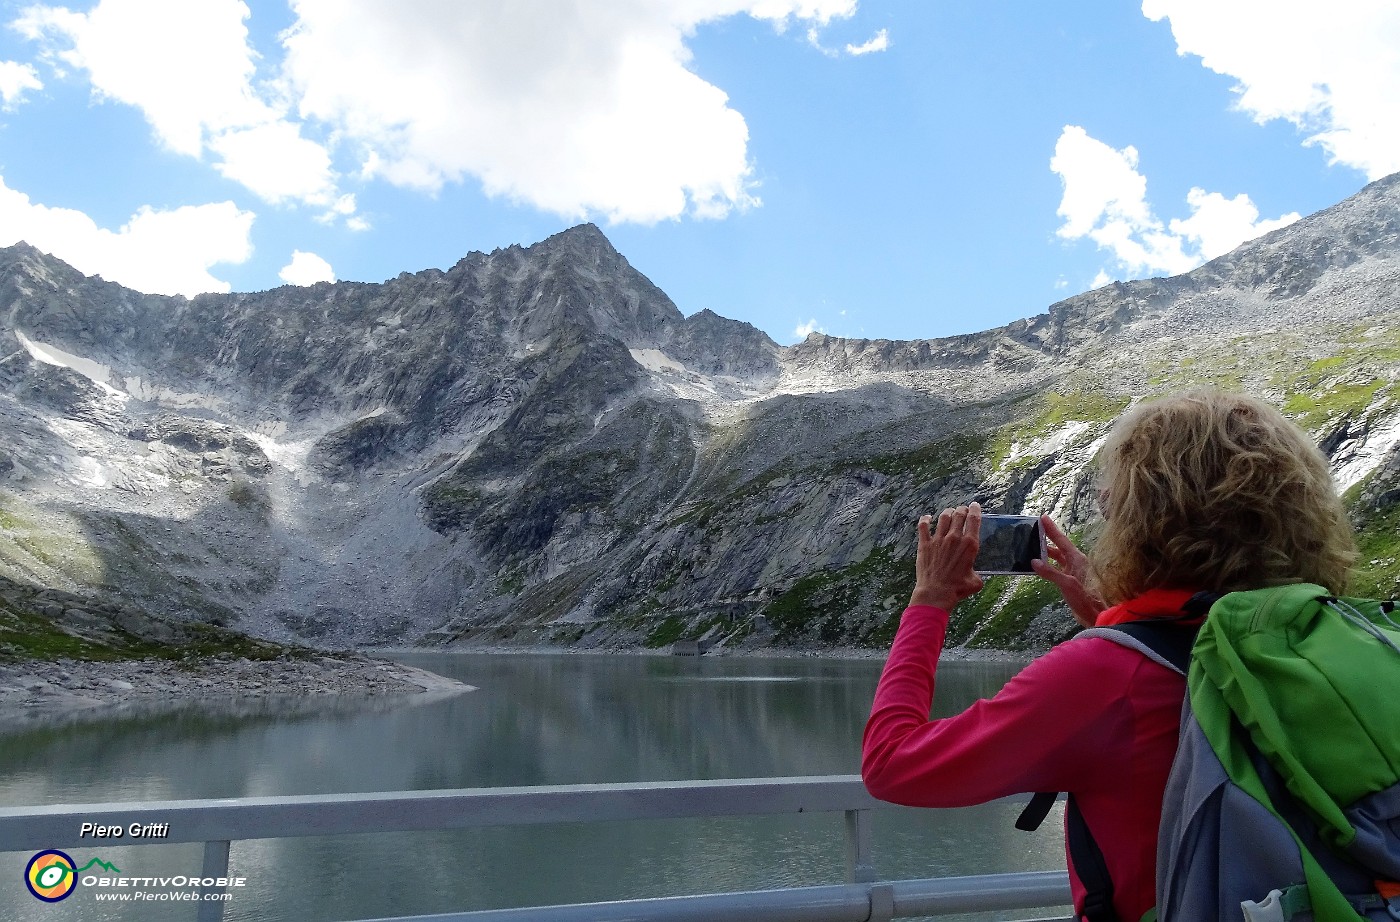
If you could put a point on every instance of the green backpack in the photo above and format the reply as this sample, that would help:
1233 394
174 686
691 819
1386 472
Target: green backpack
1283 803
1284 798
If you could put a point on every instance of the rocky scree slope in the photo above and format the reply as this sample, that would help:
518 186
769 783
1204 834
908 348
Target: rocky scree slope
536 446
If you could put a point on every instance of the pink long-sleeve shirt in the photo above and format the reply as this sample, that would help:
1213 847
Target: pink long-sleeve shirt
1090 717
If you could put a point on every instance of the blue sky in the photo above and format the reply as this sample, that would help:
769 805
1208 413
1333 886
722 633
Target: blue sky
866 168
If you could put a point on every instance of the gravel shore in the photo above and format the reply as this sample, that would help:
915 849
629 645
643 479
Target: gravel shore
39 692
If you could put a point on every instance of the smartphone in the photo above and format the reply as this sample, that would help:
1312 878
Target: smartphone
1008 544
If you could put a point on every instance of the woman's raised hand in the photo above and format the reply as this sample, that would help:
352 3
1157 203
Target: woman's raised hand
943 567
1071 575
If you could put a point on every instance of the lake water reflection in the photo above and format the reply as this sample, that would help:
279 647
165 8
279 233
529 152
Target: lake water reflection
535 719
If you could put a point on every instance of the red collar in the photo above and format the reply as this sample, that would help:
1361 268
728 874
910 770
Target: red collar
1154 603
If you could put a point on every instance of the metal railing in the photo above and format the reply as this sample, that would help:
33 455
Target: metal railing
219 823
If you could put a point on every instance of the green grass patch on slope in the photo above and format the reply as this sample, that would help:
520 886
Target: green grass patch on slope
1053 410
1345 383
1224 368
670 630
1377 573
932 461
971 612
26 634
26 543
1006 627
727 498
845 605
1312 409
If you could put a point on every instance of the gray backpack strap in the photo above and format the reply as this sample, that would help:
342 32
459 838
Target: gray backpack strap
1165 643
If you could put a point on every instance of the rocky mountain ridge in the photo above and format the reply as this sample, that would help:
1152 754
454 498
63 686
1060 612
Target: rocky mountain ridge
536 445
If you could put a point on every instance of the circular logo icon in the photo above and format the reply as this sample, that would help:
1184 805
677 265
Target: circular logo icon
50 876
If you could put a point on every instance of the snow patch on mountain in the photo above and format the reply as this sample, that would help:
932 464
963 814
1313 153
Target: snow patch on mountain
95 372
656 360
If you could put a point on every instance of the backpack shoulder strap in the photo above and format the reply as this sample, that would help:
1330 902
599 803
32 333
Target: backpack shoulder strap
1164 642
1167 641
1090 866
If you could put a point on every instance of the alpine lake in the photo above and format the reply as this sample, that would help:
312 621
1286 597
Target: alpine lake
533 719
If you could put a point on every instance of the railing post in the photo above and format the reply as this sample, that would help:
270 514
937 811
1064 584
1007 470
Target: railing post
860 862
215 865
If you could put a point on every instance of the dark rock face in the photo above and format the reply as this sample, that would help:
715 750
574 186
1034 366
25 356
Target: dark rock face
715 345
535 445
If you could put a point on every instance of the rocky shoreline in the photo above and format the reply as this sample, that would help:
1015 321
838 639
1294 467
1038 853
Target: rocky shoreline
36 692
67 657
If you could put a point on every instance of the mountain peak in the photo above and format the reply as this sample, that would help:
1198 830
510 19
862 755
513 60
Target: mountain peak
585 236
34 263
23 251
583 247
23 248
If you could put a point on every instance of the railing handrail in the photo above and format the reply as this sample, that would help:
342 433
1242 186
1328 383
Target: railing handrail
221 821
870 902
57 825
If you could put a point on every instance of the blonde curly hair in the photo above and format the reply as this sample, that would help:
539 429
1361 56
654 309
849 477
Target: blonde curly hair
1216 491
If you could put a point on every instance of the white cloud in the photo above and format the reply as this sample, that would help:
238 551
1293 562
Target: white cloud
807 329
187 66
1105 200
779 12
163 252
15 80
276 163
1217 225
880 42
306 269
578 109
1333 70
190 69
574 108
343 207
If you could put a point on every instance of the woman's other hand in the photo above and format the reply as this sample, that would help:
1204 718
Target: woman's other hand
943 568
1071 575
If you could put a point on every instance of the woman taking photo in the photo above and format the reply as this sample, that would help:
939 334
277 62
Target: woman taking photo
1204 492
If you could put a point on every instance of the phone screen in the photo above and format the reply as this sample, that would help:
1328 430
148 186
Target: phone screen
1008 544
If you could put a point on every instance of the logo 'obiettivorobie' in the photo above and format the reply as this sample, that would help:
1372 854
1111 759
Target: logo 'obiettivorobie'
52 875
